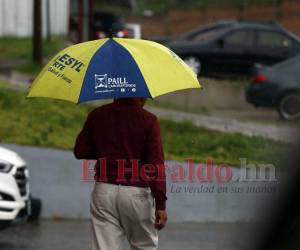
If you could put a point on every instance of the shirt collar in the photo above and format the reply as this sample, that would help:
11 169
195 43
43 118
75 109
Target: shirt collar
127 101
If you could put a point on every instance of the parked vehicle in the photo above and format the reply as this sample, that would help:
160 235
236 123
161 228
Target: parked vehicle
197 31
277 87
106 24
234 48
15 199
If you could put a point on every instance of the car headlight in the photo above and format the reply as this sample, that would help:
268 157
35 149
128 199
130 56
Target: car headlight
5 167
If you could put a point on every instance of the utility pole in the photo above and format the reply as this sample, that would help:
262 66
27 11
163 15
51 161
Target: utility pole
48 18
91 12
80 21
37 46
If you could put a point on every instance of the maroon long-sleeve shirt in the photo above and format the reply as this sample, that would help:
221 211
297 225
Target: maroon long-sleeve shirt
124 131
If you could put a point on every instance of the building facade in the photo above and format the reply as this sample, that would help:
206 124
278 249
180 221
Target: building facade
16 17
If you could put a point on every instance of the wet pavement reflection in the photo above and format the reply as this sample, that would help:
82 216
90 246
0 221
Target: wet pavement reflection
75 235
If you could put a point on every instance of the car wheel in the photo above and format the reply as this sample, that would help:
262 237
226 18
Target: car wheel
194 63
36 208
289 106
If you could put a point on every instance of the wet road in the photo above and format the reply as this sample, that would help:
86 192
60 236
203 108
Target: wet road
75 235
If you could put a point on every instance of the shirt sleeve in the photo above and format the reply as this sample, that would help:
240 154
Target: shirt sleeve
84 146
155 156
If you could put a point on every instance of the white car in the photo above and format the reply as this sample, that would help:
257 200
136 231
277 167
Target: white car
14 187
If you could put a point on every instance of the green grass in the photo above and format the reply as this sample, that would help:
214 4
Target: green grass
161 6
185 140
39 122
29 68
21 49
51 123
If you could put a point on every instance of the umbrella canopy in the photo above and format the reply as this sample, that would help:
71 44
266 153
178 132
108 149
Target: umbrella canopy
113 68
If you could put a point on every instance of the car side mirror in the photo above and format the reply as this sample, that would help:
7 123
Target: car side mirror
221 43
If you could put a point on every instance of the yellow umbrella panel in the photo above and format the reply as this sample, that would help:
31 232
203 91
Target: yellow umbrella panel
113 68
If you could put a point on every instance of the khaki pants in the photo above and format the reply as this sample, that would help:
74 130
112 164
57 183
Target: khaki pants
118 211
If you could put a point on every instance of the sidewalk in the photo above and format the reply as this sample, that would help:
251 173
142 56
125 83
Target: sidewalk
230 125
14 77
7 65
194 201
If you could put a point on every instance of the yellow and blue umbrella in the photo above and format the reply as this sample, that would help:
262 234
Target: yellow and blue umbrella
113 68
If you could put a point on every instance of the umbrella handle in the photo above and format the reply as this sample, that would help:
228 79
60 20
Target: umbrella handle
110 33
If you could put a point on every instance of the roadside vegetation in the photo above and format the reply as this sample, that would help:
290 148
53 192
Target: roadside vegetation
20 49
52 123
161 6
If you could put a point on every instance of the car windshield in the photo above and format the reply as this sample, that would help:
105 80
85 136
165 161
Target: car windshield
205 28
209 35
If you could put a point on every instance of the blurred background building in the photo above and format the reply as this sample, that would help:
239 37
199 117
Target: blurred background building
16 17
157 18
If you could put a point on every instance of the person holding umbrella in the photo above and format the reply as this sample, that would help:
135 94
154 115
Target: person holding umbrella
124 132
121 135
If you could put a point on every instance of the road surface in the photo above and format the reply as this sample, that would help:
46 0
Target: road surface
75 235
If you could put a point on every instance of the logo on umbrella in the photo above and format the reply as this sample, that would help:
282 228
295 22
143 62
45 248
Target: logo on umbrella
105 83
100 81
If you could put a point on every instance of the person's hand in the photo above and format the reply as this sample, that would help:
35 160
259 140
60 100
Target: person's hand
160 219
